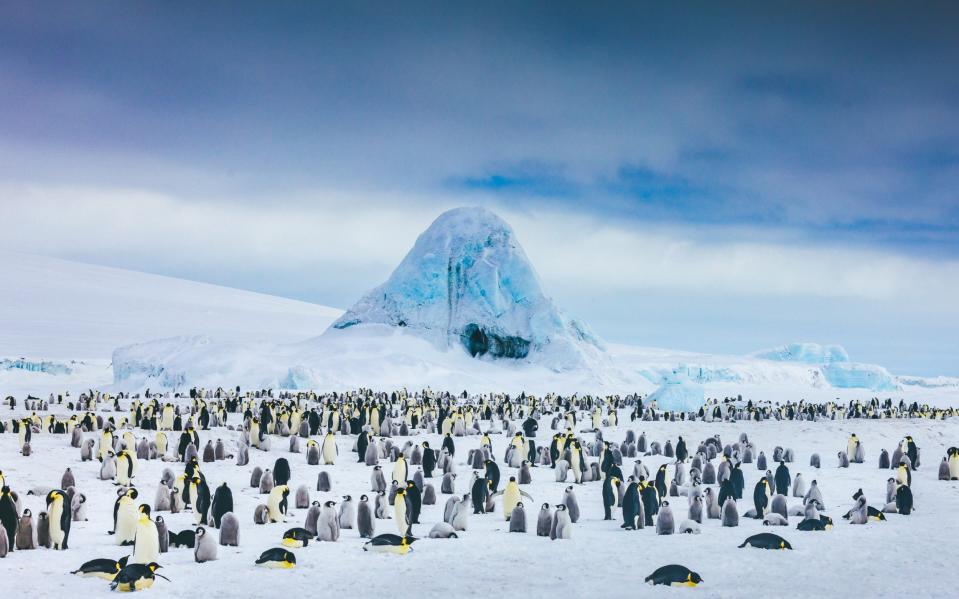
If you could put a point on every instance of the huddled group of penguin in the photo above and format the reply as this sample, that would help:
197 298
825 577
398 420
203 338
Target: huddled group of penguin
383 428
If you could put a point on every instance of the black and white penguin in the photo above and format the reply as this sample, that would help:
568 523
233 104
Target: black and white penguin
277 557
106 569
674 575
365 522
544 521
390 543
136 577
205 549
222 504
60 516
766 540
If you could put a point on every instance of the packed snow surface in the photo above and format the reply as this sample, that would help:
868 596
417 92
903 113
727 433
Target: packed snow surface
900 557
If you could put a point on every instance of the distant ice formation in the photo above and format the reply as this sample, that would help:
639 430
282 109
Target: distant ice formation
807 353
467 283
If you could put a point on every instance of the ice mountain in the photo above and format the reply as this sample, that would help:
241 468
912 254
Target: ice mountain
467 284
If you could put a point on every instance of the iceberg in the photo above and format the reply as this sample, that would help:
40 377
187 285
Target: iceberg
678 394
468 284
860 376
806 353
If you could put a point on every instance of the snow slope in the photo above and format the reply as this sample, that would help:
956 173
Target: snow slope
63 310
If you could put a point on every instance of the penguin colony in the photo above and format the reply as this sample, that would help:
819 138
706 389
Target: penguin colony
702 479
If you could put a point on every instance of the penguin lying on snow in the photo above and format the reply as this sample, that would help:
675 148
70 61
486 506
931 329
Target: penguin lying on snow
674 575
390 543
135 577
104 568
766 540
296 538
277 557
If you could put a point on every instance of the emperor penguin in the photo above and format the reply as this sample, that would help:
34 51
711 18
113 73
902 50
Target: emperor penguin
266 482
860 512
517 518
230 530
323 482
511 496
108 466
377 479
953 455
302 495
461 512
381 509
277 557
778 506
766 540
78 507
43 530
312 516
261 514
400 470
851 445
674 575
799 485
26 536
347 515
572 504
312 453
884 460
281 472
447 484
611 485
277 503
814 460
665 523
146 544
712 504
365 523
163 535
67 480
329 449
544 521
400 513
205 548
429 494
125 518
696 510
561 526
904 474
222 503
86 450
161 503
810 511
843 458
60 516
442 530
813 494
730 513
944 469
328 525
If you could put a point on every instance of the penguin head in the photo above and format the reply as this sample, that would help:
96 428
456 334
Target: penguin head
145 510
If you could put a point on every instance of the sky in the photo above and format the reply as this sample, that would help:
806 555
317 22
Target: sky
716 177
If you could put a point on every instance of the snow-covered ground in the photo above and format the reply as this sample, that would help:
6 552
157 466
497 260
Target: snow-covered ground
62 310
904 556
